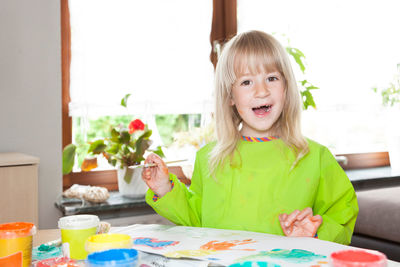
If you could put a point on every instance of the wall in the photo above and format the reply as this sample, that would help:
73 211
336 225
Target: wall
30 92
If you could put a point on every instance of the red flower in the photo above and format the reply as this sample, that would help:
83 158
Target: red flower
136 125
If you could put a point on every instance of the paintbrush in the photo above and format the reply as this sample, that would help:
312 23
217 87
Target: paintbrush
155 164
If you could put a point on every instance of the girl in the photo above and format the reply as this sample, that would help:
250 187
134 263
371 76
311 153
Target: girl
261 174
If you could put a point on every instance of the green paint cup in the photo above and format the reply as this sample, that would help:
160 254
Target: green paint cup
74 232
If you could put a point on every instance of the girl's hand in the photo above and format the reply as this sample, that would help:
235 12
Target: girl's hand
300 223
156 177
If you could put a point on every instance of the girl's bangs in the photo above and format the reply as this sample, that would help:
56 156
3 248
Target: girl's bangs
256 61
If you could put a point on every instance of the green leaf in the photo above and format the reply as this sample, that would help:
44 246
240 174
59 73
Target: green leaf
159 152
114 135
146 134
125 137
68 158
114 149
141 146
297 56
97 147
124 100
128 175
312 87
309 100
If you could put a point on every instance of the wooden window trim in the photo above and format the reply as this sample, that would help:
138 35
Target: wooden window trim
224 27
365 160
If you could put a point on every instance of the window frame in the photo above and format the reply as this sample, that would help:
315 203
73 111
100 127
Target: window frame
223 27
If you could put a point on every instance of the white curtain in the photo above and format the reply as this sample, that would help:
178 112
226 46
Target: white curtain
156 50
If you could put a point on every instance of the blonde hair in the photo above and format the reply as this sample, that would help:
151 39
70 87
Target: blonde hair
257 51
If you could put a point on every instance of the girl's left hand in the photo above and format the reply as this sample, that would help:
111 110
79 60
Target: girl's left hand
300 223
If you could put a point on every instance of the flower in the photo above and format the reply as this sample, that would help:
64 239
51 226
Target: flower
136 125
123 147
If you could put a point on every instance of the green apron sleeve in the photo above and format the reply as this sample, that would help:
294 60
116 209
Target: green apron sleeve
181 205
335 201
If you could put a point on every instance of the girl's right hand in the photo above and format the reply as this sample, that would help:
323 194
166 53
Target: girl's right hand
156 177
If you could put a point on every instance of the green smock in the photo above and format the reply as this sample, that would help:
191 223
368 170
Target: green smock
250 192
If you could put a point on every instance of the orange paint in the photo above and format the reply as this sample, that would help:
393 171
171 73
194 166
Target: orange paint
164 169
225 245
322 262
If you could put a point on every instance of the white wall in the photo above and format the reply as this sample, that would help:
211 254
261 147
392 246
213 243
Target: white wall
30 92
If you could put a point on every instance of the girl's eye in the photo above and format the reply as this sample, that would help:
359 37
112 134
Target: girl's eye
272 78
246 82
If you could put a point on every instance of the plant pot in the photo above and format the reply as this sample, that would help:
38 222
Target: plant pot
130 183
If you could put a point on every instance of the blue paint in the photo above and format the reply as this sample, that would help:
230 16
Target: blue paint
254 264
113 257
152 242
213 259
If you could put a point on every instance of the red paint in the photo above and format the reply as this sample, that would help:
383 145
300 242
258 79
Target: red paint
358 256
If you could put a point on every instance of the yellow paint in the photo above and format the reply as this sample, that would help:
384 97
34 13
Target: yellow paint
189 253
102 242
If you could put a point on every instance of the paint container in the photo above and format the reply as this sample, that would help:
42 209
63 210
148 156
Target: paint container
74 232
57 261
124 257
16 243
358 258
102 242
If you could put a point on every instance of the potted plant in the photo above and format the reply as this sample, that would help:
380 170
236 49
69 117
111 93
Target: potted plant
123 147
391 99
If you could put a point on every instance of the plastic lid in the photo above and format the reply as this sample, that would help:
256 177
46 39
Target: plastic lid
114 257
75 222
358 257
57 261
16 229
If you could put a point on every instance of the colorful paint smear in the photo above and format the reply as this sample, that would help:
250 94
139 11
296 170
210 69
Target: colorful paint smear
153 242
254 264
188 253
225 245
209 248
293 256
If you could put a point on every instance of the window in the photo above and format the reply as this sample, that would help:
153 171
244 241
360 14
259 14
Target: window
158 51
350 47
167 69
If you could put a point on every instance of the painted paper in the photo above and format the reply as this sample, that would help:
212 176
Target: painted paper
229 247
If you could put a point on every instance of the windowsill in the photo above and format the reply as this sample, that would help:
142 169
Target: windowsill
373 178
115 206
119 206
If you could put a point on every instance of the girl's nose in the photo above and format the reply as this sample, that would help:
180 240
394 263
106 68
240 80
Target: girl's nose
261 90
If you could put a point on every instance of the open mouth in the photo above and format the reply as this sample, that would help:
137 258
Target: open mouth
261 110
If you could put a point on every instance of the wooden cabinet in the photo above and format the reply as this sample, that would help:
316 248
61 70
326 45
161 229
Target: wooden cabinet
18 188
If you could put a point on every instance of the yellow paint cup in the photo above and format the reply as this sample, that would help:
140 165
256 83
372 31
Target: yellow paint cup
107 241
74 232
16 243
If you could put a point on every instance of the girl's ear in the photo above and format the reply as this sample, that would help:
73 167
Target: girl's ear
232 102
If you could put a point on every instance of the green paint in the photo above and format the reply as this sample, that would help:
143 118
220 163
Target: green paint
293 256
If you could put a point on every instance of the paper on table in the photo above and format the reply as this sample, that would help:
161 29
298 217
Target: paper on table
227 247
